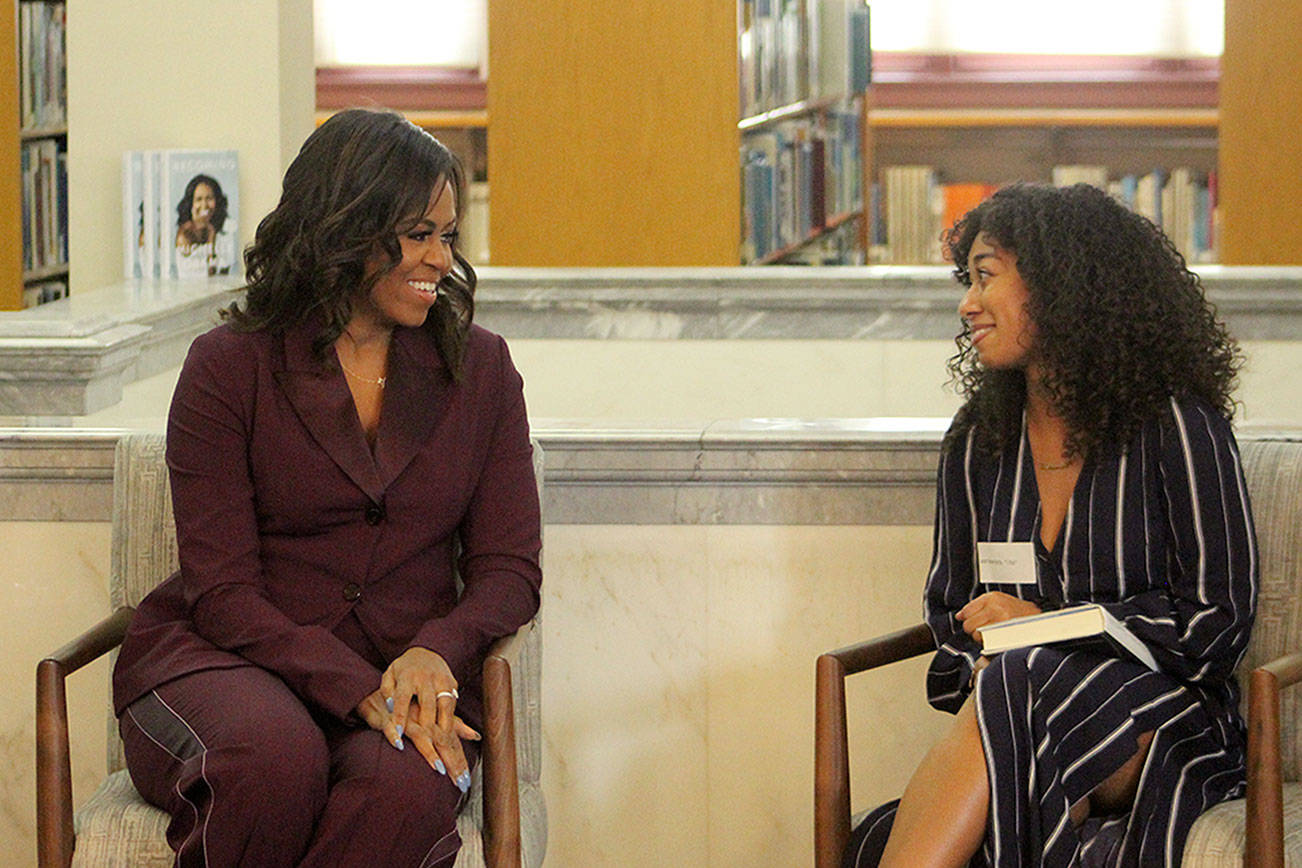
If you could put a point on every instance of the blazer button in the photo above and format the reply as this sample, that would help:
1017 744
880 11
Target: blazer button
352 592
374 514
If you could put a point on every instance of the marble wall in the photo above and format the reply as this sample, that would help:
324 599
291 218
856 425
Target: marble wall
53 585
719 379
678 686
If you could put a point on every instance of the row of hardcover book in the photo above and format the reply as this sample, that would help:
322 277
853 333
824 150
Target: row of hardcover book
797 177
43 91
794 50
180 213
910 208
43 292
44 165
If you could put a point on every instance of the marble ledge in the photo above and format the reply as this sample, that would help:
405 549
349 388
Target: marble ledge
72 357
794 302
737 472
759 471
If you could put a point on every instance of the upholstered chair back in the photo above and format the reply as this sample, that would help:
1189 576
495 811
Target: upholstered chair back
1273 469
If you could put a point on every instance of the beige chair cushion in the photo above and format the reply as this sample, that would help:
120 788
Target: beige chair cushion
116 827
1216 839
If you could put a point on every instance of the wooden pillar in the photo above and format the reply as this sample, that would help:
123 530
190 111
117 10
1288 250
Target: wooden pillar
1260 148
612 132
11 201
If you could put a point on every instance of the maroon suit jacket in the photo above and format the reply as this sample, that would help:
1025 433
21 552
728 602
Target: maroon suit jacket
292 534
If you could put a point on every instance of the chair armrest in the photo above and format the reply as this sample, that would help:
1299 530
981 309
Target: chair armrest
54 833
502 846
1264 844
509 647
831 748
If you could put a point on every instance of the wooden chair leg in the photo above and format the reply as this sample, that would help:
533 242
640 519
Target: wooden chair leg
1264 821
831 764
502 848
54 832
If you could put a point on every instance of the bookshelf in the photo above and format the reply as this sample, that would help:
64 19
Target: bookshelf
1133 145
33 131
802 71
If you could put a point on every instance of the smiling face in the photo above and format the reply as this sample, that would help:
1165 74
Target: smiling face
203 203
995 306
404 295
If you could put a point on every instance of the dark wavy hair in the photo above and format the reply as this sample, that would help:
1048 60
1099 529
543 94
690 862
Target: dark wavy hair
363 178
1121 323
219 211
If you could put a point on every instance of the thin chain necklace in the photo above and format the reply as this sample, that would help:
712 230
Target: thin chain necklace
374 382
1062 466
356 376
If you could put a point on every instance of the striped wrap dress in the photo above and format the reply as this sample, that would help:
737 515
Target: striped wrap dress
1162 536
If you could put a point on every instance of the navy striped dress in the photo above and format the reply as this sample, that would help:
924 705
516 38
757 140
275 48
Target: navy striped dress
1162 536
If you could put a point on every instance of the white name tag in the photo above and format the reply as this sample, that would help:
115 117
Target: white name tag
1006 563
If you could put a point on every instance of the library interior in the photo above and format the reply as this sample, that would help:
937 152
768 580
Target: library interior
711 234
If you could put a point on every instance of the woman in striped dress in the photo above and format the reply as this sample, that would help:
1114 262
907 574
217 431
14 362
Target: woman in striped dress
1096 434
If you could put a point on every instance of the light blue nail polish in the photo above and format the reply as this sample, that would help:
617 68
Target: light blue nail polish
439 767
399 728
397 742
388 703
463 781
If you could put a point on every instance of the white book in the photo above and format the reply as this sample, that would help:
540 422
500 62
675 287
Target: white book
133 214
1088 625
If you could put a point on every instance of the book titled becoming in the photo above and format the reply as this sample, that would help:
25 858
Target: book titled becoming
1077 626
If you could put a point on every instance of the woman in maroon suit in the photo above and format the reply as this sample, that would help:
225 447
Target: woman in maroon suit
304 691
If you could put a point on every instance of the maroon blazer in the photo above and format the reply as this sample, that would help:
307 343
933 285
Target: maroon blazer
307 555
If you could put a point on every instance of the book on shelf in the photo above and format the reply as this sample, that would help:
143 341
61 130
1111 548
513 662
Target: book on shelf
839 29
1088 626
794 50
180 213
43 292
42 71
912 206
798 176
1067 175
44 168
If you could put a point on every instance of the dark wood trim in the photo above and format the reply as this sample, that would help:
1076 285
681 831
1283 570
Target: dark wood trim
903 79
401 87
501 830
831 745
55 835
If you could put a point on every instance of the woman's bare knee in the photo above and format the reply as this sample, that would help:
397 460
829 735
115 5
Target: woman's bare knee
1117 792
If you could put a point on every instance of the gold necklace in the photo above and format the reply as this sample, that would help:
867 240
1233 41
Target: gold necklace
1063 466
374 382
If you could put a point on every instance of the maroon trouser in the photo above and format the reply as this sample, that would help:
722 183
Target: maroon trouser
251 778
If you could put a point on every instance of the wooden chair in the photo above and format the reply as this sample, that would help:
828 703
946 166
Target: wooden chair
1262 830
504 821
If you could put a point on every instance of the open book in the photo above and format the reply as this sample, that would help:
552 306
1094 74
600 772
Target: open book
1077 626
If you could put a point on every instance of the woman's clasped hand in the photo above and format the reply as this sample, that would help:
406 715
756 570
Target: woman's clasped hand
414 682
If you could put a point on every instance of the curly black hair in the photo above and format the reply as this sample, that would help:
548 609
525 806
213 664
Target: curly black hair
360 180
1121 323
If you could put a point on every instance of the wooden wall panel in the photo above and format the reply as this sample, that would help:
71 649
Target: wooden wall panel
1260 140
11 202
612 137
